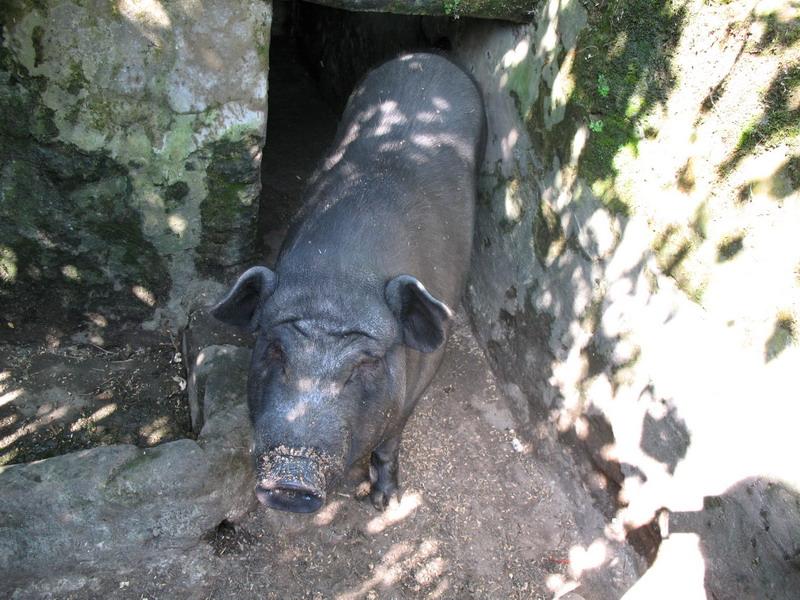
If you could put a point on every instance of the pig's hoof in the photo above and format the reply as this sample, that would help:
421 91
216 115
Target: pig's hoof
382 496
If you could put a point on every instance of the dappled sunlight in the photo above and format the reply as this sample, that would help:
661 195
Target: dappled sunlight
144 295
691 418
391 117
149 13
97 319
550 39
396 512
298 410
8 264
583 559
678 571
508 142
150 19
10 396
328 513
560 586
33 426
71 272
515 56
178 224
514 202
420 562
156 431
80 394
94 418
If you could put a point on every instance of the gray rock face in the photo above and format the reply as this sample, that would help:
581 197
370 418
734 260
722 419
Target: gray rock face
613 355
130 152
120 507
512 10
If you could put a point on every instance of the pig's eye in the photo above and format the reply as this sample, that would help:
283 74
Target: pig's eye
275 354
367 366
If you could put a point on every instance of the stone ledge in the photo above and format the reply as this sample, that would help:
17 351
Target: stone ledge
121 506
519 11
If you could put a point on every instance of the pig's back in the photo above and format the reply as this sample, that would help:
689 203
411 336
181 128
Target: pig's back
396 192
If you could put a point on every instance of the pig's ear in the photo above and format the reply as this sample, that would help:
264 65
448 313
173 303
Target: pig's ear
240 305
423 319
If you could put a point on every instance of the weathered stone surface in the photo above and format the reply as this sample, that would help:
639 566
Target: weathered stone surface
130 151
205 342
119 507
579 302
741 544
522 11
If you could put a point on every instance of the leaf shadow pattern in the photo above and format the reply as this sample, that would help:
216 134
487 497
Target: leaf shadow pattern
779 119
629 46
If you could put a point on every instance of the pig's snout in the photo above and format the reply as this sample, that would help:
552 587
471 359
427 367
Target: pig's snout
293 482
287 496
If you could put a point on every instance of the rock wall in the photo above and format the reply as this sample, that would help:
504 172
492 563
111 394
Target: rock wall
511 10
624 284
130 150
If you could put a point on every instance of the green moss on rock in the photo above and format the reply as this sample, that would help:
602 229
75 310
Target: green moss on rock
779 121
623 69
77 244
65 217
228 214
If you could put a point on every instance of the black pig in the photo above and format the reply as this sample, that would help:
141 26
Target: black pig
351 325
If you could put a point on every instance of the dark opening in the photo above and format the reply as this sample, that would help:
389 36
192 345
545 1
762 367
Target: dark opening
317 55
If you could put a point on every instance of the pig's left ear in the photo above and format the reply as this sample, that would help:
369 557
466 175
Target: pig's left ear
422 317
240 305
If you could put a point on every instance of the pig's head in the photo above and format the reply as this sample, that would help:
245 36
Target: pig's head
327 379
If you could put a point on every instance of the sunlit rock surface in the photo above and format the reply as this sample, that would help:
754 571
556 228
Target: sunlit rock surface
636 274
130 149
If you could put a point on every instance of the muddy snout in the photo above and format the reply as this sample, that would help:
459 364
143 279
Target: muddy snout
293 480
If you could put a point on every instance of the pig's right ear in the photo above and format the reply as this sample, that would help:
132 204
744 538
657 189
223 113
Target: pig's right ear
423 319
241 304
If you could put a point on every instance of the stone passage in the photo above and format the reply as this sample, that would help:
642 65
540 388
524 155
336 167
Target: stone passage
634 288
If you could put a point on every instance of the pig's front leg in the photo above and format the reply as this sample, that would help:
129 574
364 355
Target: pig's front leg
383 469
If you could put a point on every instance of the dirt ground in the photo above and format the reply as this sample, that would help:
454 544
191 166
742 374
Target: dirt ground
76 395
484 514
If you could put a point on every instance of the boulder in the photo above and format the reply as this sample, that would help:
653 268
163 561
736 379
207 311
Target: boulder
130 151
117 508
